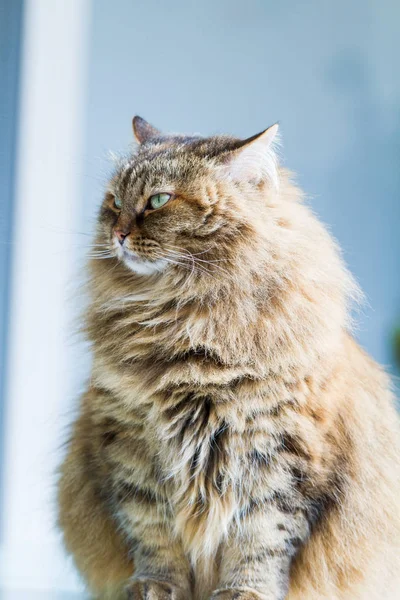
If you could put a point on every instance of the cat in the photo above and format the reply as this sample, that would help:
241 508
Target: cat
234 442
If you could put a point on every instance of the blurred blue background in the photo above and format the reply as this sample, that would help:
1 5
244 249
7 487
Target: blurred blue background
328 72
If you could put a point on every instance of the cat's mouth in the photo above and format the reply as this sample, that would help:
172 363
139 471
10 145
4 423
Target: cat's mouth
139 264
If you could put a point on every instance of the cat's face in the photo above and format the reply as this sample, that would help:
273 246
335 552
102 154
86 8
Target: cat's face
177 196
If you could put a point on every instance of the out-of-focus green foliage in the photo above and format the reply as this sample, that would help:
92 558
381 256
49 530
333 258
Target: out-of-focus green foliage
396 345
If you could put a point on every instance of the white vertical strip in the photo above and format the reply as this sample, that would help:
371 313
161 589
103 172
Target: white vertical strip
53 80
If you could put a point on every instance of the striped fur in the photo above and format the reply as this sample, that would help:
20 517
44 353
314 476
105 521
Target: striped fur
234 441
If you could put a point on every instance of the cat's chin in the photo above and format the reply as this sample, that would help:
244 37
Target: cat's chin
137 264
144 267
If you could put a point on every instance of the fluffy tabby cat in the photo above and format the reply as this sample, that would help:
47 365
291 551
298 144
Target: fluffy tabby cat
234 442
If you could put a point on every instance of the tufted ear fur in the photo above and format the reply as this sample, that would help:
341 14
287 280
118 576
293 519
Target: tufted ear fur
142 130
254 159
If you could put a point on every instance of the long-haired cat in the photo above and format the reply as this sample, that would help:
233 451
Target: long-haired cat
234 442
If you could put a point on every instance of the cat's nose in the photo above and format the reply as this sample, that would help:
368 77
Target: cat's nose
121 235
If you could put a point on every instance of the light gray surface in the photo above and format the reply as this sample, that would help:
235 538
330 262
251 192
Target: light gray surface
38 595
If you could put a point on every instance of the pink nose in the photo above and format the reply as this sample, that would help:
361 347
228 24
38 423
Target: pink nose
121 235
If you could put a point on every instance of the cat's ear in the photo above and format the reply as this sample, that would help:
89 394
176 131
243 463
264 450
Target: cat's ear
142 130
253 159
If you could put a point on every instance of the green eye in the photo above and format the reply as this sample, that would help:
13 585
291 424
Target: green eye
117 202
158 200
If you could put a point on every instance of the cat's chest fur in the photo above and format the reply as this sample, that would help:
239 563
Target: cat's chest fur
201 457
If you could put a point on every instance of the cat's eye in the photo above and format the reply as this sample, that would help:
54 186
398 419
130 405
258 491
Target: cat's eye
117 202
158 200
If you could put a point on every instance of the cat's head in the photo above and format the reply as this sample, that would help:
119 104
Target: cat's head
178 197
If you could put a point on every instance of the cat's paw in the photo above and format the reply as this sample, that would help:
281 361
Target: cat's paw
151 589
237 594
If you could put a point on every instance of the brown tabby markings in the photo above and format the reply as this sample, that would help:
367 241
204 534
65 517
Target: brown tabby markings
234 442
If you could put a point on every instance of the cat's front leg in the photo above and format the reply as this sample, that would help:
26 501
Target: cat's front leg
162 571
256 558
